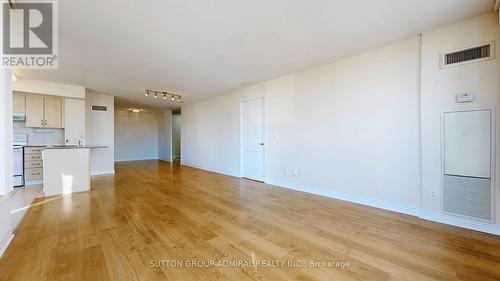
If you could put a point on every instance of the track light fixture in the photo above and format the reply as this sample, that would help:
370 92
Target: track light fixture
173 97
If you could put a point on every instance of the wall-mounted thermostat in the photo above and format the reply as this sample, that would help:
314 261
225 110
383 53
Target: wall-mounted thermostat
465 97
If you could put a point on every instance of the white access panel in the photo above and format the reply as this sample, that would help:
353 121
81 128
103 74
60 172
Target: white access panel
467 143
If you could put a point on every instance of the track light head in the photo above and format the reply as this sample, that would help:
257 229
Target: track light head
173 97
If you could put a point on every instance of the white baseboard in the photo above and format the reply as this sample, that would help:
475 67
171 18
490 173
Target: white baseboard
5 243
135 159
396 207
400 208
210 170
99 173
381 204
460 222
390 206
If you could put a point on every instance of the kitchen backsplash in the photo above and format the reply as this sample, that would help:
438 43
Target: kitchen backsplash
38 136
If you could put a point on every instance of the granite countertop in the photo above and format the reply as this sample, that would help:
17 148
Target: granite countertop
69 146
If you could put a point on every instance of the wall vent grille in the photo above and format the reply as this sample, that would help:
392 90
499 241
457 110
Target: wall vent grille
467 55
99 108
467 196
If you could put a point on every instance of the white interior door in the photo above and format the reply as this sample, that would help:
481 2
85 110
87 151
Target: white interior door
253 139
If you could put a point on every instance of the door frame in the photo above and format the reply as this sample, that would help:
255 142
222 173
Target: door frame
241 133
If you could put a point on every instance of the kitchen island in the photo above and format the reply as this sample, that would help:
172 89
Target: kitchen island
66 169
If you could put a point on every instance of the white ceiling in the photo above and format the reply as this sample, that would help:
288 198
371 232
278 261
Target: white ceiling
204 48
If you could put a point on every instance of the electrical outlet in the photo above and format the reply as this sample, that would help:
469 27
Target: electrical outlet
433 194
291 172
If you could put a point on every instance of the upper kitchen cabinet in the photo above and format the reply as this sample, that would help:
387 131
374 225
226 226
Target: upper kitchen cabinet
18 104
53 112
34 111
44 111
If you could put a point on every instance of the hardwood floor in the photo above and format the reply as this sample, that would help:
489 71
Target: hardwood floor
154 221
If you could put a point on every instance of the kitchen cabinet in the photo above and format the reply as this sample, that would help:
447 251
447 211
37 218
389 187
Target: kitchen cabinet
53 112
44 111
33 165
34 111
18 103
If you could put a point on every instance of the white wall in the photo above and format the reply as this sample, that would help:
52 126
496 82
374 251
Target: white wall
74 120
209 138
364 129
49 88
136 135
176 135
6 131
165 136
349 127
6 154
440 86
99 130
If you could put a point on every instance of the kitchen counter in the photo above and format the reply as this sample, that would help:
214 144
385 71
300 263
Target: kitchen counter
66 169
74 146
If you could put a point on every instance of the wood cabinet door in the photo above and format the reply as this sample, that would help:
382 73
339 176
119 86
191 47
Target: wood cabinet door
34 111
18 103
53 112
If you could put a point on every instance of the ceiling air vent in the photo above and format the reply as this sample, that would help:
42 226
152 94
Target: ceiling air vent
474 54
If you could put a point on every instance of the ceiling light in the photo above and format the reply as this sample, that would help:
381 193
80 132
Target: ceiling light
173 97
136 110
14 78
